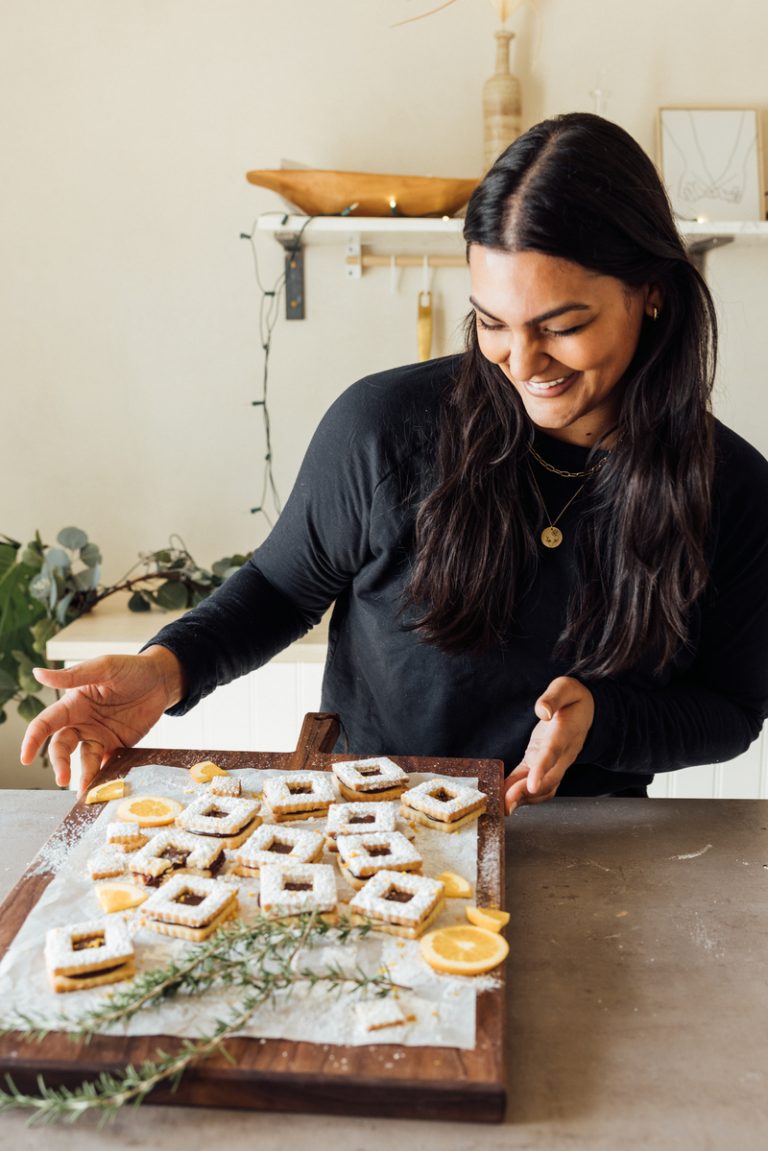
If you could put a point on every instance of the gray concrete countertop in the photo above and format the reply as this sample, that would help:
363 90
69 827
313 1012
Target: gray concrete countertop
638 993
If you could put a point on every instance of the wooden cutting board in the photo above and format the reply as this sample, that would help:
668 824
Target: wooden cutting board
276 1074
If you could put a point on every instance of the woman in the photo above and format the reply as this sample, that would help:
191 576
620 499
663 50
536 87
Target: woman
545 550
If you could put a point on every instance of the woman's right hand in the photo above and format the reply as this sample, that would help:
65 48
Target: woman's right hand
108 703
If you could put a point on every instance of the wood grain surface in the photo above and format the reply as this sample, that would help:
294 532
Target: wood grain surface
276 1074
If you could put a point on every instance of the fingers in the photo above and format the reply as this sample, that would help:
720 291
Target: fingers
91 759
42 728
60 749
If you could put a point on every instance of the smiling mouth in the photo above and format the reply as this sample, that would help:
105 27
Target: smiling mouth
546 387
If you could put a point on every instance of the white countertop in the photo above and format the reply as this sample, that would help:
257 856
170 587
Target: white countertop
111 629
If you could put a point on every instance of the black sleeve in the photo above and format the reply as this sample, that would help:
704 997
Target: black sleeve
713 710
317 545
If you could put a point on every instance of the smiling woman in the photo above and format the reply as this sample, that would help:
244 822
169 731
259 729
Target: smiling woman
544 551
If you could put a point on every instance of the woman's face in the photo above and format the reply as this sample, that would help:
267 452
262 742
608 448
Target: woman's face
563 336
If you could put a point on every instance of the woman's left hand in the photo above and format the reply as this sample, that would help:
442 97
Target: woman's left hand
565 711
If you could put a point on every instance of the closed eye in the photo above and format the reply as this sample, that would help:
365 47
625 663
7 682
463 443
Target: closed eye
564 331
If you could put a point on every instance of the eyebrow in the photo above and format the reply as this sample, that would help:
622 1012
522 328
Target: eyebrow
572 306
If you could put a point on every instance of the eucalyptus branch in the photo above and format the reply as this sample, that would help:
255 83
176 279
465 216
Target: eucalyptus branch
260 956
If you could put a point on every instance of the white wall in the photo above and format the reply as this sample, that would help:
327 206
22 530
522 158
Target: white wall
130 351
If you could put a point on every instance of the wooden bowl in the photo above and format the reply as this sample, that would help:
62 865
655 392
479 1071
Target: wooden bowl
326 193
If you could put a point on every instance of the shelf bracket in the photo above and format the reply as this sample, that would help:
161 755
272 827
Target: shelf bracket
699 249
294 275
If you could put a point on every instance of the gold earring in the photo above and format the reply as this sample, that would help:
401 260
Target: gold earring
655 313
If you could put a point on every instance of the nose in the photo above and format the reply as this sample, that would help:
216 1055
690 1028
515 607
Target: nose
525 357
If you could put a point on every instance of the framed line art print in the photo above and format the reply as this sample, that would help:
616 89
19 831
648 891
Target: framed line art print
711 162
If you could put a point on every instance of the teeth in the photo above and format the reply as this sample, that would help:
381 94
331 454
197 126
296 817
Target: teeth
547 383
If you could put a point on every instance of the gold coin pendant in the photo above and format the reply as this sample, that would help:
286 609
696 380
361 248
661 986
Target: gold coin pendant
551 537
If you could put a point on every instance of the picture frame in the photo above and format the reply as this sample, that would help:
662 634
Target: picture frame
711 162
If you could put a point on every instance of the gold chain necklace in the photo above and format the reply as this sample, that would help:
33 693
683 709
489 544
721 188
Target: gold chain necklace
562 472
551 536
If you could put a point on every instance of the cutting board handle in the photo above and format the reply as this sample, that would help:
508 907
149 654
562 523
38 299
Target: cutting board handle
319 732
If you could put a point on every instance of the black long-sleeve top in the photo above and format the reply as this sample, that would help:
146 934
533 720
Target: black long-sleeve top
346 537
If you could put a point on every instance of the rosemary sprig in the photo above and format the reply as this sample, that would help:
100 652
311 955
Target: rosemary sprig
260 957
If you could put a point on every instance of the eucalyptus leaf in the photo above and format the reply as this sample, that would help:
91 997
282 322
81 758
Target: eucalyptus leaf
86 579
7 681
90 555
29 707
172 595
62 607
32 557
138 602
56 559
72 538
8 555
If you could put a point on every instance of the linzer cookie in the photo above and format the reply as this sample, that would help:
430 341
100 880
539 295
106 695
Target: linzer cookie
188 907
443 805
227 819
298 795
399 903
89 954
272 843
295 889
367 780
358 819
361 856
171 851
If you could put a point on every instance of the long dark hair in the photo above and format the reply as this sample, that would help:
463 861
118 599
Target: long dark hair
579 188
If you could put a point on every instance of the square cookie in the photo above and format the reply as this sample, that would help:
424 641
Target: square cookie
298 888
443 804
368 780
399 903
299 795
276 843
89 954
190 907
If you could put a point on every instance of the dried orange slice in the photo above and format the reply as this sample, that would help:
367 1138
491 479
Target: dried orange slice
119 896
103 792
488 917
464 950
456 886
149 810
204 771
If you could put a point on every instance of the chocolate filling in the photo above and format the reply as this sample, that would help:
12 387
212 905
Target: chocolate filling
224 834
368 771
300 788
176 856
215 813
361 819
98 971
397 895
378 849
278 848
297 886
191 898
441 796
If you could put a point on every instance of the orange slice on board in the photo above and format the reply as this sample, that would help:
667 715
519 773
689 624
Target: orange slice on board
204 771
103 792
463 950
488 917
149 810
456 886
119 896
